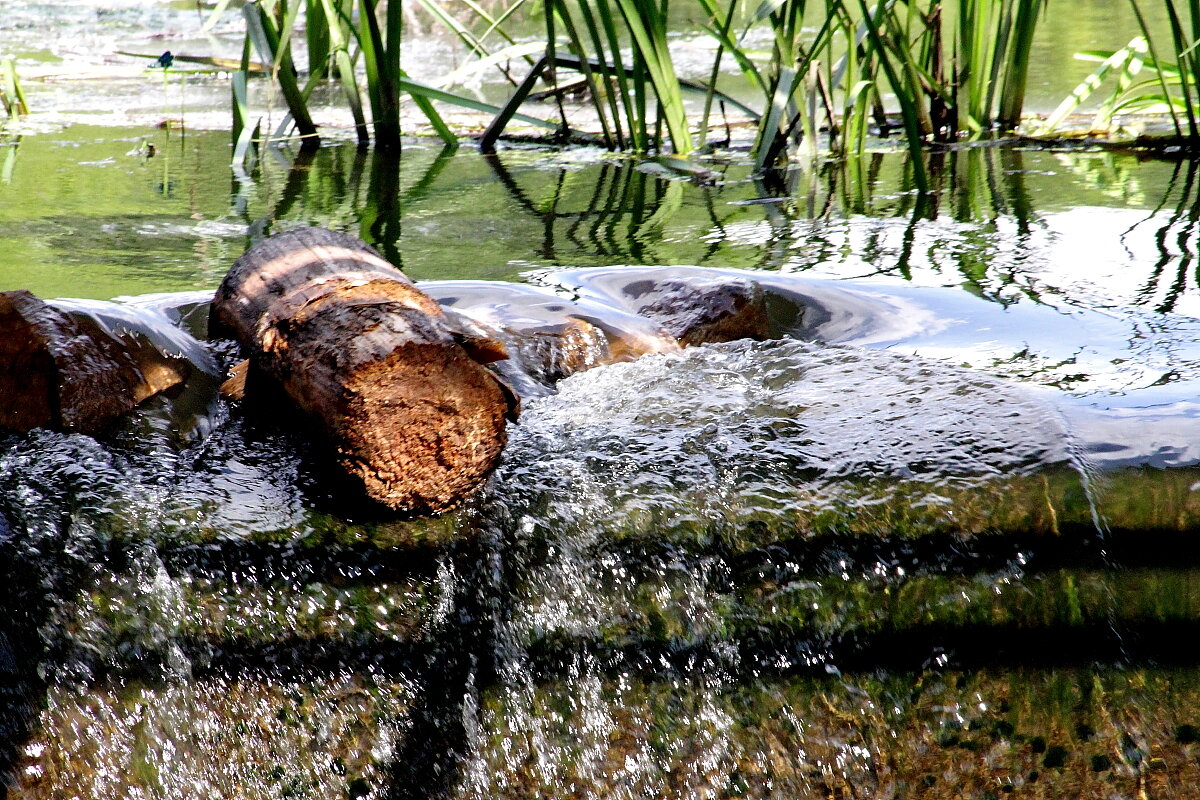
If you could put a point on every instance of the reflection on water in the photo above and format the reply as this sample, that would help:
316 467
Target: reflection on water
1080 228
942 544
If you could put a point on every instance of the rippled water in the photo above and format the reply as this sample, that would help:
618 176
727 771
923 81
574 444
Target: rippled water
937 538
783 568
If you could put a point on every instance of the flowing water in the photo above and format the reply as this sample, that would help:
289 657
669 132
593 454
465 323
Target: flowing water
934 538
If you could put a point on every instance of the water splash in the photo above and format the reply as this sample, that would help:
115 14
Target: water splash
780 430
678 584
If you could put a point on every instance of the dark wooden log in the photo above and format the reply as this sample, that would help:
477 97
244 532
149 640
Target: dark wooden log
65 368
372 361
698 310
53 375
157 354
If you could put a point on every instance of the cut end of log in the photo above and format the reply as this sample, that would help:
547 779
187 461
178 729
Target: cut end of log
426 428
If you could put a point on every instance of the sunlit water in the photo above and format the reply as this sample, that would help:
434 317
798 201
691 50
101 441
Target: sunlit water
936 540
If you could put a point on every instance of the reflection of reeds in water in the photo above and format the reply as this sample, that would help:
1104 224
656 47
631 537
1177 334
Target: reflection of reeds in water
629 212
1164 241
620 218
1174 222
615 211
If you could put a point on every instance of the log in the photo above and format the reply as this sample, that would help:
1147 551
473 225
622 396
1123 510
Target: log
77 366
52 374
372 361
547 337
695 305
148 339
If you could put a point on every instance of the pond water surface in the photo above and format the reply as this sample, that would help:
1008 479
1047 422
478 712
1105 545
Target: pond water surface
942 542
937 540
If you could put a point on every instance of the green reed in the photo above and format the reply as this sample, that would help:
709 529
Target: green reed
342 37
947 71
12 98
1142 78
936 71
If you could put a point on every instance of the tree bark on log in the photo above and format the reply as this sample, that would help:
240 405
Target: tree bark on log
372 360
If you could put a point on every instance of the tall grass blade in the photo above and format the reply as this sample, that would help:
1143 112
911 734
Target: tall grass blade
1016 71
647 26
768 7
243 133
474 43
724 27
502 116
855 121
317 36
1137 11
912 90
771 131
496 60
275 54
908 111
633 124
335 25
423 95
10 162
1079 95
497 23
11 94
577 44
420 91
1189 67
1194 14
381 61
1125 78
215 15
724 37
808 142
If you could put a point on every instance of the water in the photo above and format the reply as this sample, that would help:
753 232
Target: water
737 570
936 540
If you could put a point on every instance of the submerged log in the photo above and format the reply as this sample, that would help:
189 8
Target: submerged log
71 367
706 310
372 361
547 337
53 375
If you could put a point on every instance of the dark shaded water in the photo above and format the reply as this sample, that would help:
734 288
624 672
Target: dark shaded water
938 542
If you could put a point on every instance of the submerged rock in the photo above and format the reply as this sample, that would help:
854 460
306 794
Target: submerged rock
703 310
